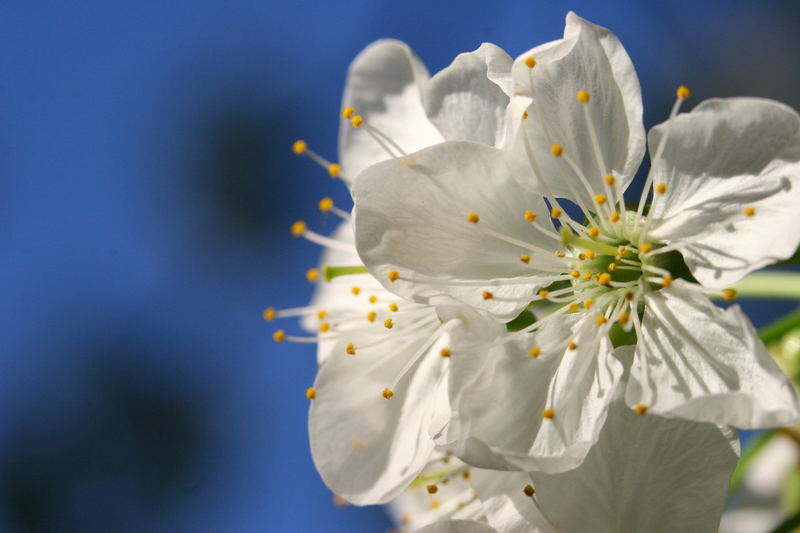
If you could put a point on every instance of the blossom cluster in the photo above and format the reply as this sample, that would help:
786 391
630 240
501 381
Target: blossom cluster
504 343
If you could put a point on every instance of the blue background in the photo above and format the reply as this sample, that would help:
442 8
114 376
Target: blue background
146 191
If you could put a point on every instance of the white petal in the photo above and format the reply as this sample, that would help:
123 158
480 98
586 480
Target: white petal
506 506
725 156
466 100
367 448
384 85
499 393
700 362
588 58
411 217
646 473
457 526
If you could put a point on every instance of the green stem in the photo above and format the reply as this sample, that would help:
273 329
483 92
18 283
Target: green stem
780 327
770 284
334 272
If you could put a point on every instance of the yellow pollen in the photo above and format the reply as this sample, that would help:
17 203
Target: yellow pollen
445 352
600 199
604 278
528 489
393 307
556 212
535 351
601 320
487 295
575 274
548 414
560 253
311 393
557 150
587 303
525 258
388 323
312 275
593 232
609 179
371 316
530 61
622 250
299 147
350 349
587 275
583 96
666 281
749 211
473 218
573 307
612 267
356 291
387 393
279 336
322 313
729 294
325 204
269 314
524 115
640 409
334 170
432 489
373 299
683 92
298 228
394 275
543 293
623 317
590 254
614 217
645 248
324 327
357 121
530 216
348 112
661 188
582 256
572 345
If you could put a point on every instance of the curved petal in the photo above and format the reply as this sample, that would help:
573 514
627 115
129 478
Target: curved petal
722 158
367 448
518 412
700 362
384 85
411 217
466 100
506 506
457 526
649 473
588 58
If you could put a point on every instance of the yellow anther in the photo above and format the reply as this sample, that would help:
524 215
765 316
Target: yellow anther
312 275
548 414
556 212
338 501
324 327
473 218
445 352
614 216
601 320
435 503
582 256
573 307
465 474
393 307
660 188
387 393
298 228
622 250
322 313
487 295
593 232
600 199
629 296
371 316
405 519
609 179
325 204
560 253
348 112
640 409
299 147
611 267
528 489
587 275
525 258
279 336
604 278
269 314
524 115
334 170
350 349
530 61
683 92
393 276
645 248
388 323
357 121
356 291
373 299
583 96
572 345
535 352
587 303
729 294
530 216
311 393
749 211
590 254
666 281
557 150
575 274
543 293
432 489
624 317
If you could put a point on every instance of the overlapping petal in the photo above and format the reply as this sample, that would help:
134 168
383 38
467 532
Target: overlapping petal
505 505
457 526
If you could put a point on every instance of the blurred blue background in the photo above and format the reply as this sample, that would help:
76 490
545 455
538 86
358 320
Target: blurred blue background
146 191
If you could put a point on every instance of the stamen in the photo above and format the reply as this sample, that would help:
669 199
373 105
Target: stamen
311 393
487 295
299 147
530 62
529 491
600 199
388 323
279 336
312 275
530 216
749 211
333 272
535 352
387 394
728 294
473 218
445 352
356 290
371 316
350 349
661 188
326 204
557 150
583 96
394 275
269 314
640 409
548 414
572 345
432 489
525 258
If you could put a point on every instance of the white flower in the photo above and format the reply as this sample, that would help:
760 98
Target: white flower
470 222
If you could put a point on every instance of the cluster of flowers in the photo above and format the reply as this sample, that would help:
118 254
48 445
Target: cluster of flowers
504 343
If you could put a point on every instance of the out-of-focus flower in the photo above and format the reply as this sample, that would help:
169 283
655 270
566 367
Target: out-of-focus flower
469 222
